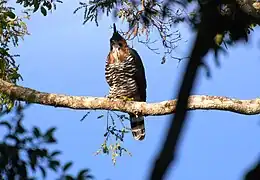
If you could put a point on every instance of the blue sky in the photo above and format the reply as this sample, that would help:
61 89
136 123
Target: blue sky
63 56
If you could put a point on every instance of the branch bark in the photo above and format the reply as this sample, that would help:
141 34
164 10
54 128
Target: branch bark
203 102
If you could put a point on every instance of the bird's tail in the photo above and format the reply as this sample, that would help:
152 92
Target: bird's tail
137 126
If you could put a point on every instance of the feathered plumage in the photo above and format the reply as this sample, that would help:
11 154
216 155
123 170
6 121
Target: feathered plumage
125 75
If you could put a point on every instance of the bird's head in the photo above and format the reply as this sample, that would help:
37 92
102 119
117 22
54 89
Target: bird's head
118 46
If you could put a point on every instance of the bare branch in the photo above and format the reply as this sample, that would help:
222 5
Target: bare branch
196 102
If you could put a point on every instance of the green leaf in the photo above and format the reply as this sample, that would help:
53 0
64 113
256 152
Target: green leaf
41 152
67 166
7 124
49 135
33 158
43 171
50 140
43 11
55 153
10 14
36 132
100 116
82 173
48 5
85 116
22 171
89 177
53 164
219 39
36 5
69 177
105 134
19 128
50 131
9 106
19 1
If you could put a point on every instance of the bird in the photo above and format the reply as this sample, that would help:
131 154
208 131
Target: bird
125 75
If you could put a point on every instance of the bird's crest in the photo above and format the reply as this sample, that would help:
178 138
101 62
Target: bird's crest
118 40
114 26
116 36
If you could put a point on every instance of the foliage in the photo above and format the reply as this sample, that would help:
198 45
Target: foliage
43 5
142 19
12 29
23 151
239 18
114 135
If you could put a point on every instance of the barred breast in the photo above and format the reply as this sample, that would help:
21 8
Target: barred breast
120 77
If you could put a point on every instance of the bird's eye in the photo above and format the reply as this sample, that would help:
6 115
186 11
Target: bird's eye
120 44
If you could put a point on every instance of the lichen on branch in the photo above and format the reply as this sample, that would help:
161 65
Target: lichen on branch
196 102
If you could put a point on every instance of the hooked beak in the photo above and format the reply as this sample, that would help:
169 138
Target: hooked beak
116 52
116 48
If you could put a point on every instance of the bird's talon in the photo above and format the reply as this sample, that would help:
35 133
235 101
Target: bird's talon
125 98
109 97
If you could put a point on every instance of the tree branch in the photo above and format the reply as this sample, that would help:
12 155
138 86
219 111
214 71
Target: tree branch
204 102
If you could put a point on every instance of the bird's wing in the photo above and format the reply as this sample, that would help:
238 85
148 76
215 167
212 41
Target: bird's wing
139 75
